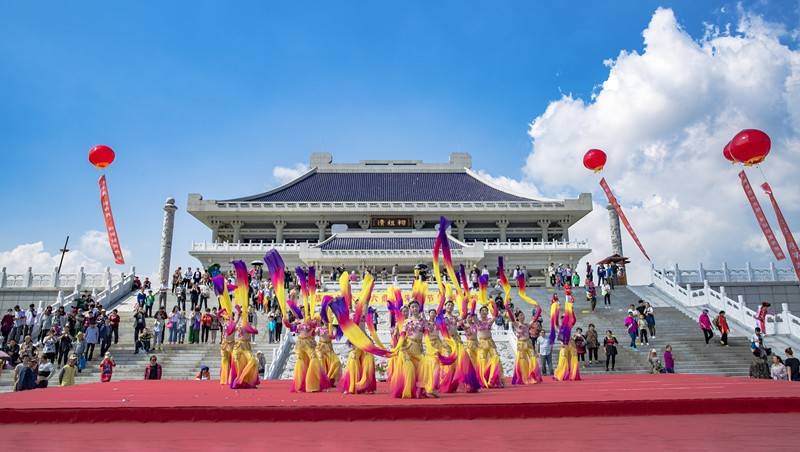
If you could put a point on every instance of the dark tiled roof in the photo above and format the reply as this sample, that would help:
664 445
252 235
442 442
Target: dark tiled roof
381 243
374 186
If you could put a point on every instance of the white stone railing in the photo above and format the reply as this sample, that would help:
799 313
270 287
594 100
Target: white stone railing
528 245
109 295
725 274
54 280
783 322
248 247
280 355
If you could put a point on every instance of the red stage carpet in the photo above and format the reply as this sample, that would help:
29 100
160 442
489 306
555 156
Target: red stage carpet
597 396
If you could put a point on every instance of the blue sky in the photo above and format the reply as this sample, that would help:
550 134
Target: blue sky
209 96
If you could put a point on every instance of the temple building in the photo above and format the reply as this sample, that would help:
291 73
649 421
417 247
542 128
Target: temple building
379 213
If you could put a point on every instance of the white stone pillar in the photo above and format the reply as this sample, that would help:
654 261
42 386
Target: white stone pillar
215 225
54 279
544 224
502 224
29 277
565 229
3 277
167 231
461 224
749 271
237 230
108 278
773 271
279 225
677 274
702 272
322 225
80 280
616 232
726 275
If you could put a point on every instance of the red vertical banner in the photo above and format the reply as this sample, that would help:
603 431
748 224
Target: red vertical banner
613 200
761 218
113 239
791 245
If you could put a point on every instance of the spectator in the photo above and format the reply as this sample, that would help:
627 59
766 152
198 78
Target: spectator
580 345
271 321
205 321
144 341
80 350
6 325
12 350
153 370
205 293
182 298
181 326
25 378
215 325
759 367
158 330
610 346
140 299
107 368
591 293
194 296
757 343
721 322
633 329
45 323
45 371
105 336
138 324
66 377
761 316
194 331
114 318
92 338
176 279
172 325
605 290
642 325
30 320
778 370
262 363
149 301
705 324
204 374
592 343
49 346
792 365
545 353
650 317
669 362
655 364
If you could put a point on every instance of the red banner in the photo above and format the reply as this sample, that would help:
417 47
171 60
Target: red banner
113 239
761 218
791 245
613 200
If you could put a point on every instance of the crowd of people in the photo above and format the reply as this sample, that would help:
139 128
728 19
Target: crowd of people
42 343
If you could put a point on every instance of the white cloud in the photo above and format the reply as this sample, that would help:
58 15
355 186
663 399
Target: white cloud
663 116
518 187
285 174
92 252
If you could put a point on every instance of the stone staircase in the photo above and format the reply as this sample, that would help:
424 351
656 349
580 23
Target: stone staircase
673 327
178 362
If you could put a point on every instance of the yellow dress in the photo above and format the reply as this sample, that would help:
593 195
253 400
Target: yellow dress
244 364
225 351
328 359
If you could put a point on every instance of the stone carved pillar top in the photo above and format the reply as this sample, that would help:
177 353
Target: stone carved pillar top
502 223
279 224
364 223
543 223
419 223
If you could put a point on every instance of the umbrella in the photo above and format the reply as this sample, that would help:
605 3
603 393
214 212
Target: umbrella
257 263
615 258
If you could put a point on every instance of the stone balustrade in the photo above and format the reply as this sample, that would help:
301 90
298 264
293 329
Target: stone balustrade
54 280
511 245
725 274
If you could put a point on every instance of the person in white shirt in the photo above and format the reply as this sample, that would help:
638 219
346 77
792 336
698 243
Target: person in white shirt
545 353
30 320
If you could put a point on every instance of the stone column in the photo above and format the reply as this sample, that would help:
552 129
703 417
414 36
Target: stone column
215 225
418 223
279 225
237 230
461 225
565 229
544 224
167 230
322 225
364 223
616 232
503 225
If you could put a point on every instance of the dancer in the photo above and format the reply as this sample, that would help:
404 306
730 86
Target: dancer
761 317
526 367
463 370
228 326
568 367
359 373
490 370
244 364
329 360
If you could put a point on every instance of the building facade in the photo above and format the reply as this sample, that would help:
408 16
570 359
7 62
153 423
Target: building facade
376 213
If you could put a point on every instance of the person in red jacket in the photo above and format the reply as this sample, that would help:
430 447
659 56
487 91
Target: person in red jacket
153 370
721 322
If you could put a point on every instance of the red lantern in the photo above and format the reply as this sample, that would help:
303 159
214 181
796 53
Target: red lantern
594 160
750 146
726 152
101 156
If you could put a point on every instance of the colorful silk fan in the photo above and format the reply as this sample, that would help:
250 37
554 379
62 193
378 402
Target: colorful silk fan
364 297
277 272
352 332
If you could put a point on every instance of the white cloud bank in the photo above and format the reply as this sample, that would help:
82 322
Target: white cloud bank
285 175
92 252
662 117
